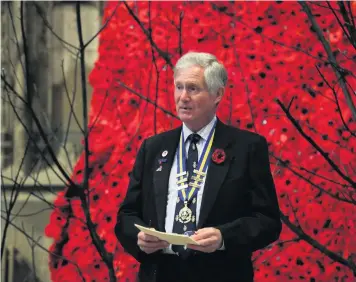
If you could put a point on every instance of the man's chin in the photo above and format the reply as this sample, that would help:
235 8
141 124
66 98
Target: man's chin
186 118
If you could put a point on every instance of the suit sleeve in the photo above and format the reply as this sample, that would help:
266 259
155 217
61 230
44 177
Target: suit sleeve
130 211
262 226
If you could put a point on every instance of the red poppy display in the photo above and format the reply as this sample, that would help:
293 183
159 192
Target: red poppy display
270 51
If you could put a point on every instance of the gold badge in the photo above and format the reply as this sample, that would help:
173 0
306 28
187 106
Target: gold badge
185 215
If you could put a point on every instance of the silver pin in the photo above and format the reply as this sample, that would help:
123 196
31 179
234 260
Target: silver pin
193 146
164 153
194 164
159 169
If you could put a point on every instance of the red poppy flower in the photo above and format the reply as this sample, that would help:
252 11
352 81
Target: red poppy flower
218 156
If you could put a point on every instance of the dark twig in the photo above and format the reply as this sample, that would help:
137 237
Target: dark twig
156 69
247 89
50 28
341 25
43 248
146 99
337 102
180 32
98 243
337 69
285 164
303 236
148 34
41 131
71 102
316 146
103 27
349 22
15 33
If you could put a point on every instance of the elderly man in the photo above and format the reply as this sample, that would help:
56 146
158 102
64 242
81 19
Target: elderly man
204 179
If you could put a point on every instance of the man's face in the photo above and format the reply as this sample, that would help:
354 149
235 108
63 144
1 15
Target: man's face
194 104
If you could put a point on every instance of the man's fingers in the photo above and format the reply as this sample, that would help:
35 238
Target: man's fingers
207 242
150 244
203 235
145 237
206 233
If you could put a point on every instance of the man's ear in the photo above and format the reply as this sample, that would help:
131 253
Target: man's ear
219 96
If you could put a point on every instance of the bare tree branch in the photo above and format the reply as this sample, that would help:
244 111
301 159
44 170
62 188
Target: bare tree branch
42 133
337 69
337 102
107 257
303 236
316 146
156 69
43 248
146 99
247 89
341 25
50 28
285 164
148 34
103 27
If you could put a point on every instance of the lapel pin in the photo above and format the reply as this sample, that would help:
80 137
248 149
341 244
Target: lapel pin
159 169
164 153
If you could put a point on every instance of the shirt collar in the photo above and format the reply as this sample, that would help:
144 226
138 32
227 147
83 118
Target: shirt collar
204 132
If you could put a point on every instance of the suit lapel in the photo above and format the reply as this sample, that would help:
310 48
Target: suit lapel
216 172
161 173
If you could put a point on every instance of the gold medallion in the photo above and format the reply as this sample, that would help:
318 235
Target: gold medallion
185 215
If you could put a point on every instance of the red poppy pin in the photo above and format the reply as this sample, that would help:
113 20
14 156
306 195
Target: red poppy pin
218 156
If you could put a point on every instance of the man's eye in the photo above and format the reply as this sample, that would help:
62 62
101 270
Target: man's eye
179 87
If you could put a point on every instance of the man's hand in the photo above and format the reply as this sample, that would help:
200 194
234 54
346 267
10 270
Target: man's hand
150 244
210 239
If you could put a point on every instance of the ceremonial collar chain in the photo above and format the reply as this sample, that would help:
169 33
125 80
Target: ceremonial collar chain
187 191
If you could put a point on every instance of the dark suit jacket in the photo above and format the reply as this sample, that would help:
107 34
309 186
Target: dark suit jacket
239 199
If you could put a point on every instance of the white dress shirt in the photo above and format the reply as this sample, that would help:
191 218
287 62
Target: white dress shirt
173 187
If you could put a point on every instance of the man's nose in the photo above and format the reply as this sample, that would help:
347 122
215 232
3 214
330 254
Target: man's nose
184 95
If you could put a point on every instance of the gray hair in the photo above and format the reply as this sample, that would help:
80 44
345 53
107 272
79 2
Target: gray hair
215 73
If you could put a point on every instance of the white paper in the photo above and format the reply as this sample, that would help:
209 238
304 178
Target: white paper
172 238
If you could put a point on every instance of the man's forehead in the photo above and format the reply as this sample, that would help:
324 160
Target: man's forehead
189 80
188 75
